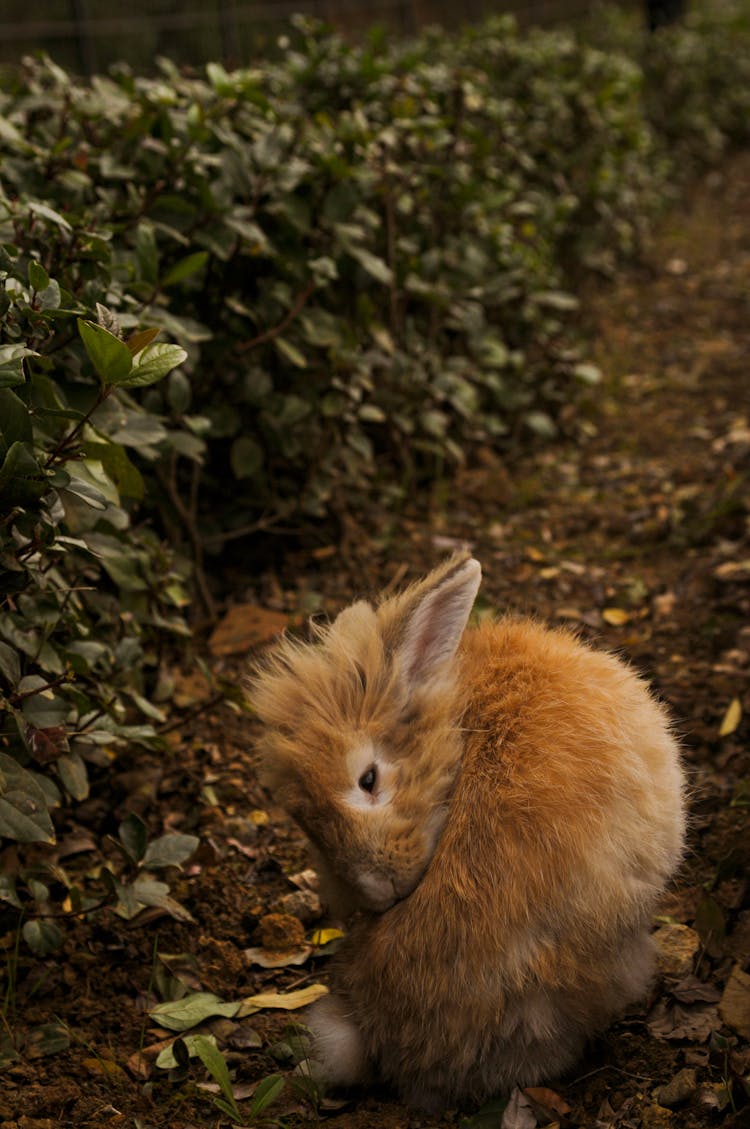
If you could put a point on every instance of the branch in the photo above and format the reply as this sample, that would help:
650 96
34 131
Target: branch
269 334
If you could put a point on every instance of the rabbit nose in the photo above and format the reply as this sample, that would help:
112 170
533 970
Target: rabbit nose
379 891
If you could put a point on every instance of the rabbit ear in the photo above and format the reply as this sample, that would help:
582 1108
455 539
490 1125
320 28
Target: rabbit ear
435 625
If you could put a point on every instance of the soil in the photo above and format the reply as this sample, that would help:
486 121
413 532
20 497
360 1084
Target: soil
634 527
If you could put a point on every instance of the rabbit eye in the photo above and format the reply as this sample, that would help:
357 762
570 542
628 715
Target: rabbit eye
368 779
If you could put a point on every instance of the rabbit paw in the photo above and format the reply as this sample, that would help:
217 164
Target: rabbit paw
338 1057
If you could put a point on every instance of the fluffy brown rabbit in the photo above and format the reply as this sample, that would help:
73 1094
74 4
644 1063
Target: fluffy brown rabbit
503 805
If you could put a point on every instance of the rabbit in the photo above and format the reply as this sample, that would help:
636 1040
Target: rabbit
497 810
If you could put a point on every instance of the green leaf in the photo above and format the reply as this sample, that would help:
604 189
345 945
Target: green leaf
109 355
44 709
180 1015
46 213
8 892
133 835
213 1060
267 1092
118 467
74 775
377 268
11 364
22 481
15 419
169 850
181 270
246 457
23 806
42 937
152 364
10 664
291 352
167 1060
38 277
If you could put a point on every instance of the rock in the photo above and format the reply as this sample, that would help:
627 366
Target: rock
678 1089
734 1006
676 946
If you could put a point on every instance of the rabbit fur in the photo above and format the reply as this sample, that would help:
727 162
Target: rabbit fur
497 809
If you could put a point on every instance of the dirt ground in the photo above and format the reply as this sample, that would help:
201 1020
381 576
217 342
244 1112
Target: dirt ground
634 527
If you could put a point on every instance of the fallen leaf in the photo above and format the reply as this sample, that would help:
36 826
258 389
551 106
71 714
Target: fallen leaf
243 627
691 990
265 958
734 1007
288 1001
105 1067
616 617
179 1015
543 1096
166 1059
732 718
324 936
683 1021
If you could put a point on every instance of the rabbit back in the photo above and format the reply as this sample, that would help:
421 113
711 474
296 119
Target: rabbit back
529 930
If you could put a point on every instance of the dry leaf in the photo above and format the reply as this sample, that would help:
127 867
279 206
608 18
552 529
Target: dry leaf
288 1001
243 627
616 617
732 718
735 1002
543 1096
270 958
678 1021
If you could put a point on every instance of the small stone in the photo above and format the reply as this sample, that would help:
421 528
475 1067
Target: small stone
676 946
678 1089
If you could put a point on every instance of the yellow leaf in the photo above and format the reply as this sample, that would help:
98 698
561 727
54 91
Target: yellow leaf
732 718
287 1001
615 616
324 936
106 1067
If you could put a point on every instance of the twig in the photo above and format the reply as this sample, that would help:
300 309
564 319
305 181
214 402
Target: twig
68 439
192 713
269 334
168 480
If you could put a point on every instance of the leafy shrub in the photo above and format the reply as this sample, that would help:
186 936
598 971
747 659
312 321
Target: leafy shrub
696 77
359 247
86 588
363 255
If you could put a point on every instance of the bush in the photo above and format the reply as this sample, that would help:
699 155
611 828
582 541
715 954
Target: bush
362 255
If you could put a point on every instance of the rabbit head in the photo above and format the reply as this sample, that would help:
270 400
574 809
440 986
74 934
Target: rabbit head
361 743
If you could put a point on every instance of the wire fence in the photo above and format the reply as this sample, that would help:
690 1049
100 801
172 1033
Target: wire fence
88 35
